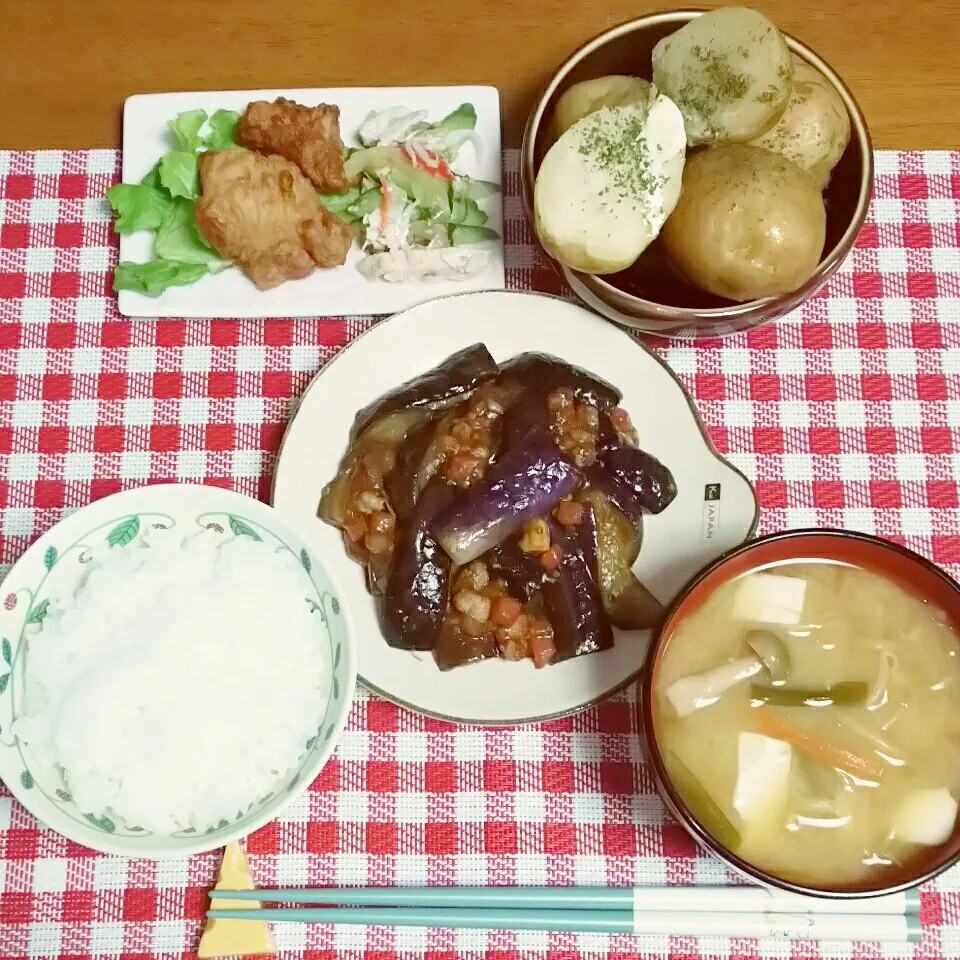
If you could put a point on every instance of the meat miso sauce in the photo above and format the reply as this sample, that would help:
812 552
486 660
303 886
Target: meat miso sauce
498 510
809 716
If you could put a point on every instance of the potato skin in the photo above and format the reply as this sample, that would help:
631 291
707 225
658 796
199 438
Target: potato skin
749 224
588 96
814 129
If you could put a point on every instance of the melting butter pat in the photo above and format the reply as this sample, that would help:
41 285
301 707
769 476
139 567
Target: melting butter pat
236 938
770 598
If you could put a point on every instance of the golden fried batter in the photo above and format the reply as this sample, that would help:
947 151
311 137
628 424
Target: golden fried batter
262 213
308 136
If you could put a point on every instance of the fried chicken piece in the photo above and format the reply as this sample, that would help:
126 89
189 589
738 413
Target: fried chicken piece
308 136
262 213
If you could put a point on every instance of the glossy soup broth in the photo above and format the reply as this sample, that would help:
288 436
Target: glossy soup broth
809 716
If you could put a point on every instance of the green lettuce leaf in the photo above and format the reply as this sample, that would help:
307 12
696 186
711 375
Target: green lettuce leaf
152 179
338 202
138 207
178 173
186 129
220 136
179 239
155 276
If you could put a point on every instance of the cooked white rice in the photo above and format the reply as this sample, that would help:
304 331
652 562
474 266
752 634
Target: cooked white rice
180 683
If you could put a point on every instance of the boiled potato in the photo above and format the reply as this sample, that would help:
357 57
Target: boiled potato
749 223
606 186
729 71
815 128
590 95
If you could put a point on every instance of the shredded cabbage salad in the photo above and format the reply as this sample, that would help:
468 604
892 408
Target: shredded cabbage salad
417 216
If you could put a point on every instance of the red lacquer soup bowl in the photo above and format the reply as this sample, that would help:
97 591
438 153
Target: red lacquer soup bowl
909 570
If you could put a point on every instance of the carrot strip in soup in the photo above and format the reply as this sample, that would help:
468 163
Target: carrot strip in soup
772 724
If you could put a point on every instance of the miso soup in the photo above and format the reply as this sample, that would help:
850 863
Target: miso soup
809 716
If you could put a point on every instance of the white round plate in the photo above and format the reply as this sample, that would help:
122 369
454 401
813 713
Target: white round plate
54 565
715 508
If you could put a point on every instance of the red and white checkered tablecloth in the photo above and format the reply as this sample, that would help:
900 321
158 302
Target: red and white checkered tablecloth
845 414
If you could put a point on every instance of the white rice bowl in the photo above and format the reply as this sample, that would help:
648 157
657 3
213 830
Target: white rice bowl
174 691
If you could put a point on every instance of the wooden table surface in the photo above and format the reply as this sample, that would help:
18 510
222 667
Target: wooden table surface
66 67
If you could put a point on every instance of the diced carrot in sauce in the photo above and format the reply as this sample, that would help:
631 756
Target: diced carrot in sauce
570 512
550 559
505 611
461 467
542 647
621 420
355 528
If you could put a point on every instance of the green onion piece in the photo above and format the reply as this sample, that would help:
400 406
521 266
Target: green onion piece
706 810
848 694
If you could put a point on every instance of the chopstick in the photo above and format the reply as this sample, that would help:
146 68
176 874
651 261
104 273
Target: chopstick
744 899
887 928
681 911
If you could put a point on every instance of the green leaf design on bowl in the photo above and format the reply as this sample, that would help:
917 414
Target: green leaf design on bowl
38 612
305 560
336 656
336 688
64 796
241 529
329 732
124 532
50 557
312 742
26 778
335 605
101 823
4 682
7 651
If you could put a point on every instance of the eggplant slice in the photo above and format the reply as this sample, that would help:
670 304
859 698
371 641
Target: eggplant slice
445 385
417 592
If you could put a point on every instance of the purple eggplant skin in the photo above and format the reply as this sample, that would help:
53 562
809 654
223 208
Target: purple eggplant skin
446 384
455 648
636 481
539 373
573 603
417 591
522 572
525 418
641 474
626 501
525 483
401 483
627 602
586 533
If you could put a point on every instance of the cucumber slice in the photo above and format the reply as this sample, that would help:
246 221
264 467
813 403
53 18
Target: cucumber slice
424 232
431 193
474 189
339 202
466 212
462 234
463 118
368 202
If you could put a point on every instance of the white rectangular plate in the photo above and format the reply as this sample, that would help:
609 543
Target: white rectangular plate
340 291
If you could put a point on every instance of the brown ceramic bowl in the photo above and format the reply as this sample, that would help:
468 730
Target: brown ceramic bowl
896 563
650 296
